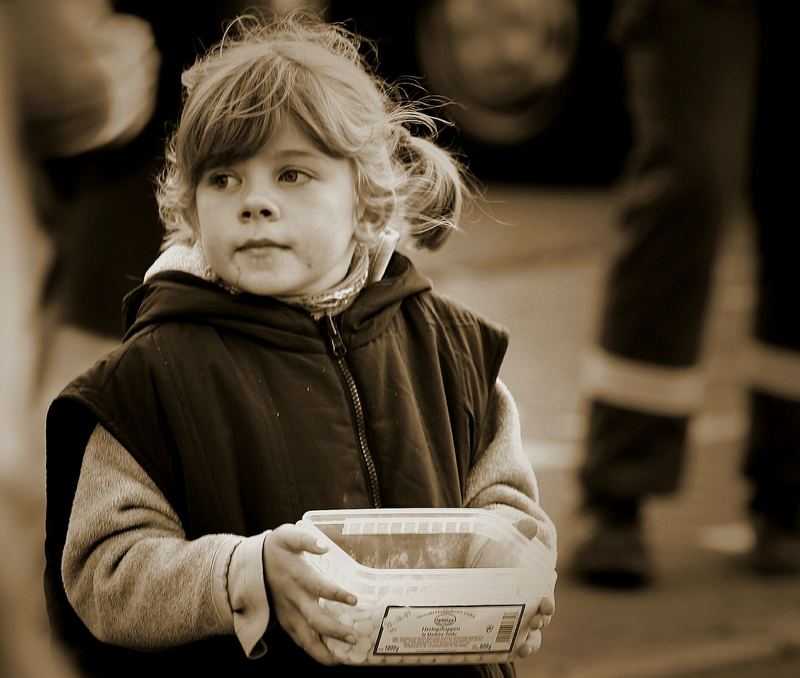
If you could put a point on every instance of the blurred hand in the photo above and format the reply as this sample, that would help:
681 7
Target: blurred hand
86 75
125 51
296 587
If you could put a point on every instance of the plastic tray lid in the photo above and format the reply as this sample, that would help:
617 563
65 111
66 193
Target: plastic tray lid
433 521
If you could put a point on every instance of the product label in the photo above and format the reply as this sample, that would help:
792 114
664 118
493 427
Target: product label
449 630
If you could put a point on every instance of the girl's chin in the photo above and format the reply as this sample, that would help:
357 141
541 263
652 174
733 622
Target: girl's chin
264 283
266 288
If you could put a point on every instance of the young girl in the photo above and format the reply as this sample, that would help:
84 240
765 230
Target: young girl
279 357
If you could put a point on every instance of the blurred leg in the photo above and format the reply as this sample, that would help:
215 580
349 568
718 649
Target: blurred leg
643 376
773 453
658 287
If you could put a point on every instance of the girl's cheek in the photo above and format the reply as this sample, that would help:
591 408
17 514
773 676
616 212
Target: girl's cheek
193 220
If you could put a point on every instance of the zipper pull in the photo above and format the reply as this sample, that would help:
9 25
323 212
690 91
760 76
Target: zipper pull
337 345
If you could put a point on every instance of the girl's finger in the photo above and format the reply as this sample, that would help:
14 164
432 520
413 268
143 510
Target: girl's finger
313 645
528 526
325 588
532 644
296 539
536 622
304 635
547 606
317 585
325 624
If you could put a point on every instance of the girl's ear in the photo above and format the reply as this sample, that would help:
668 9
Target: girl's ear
192 218
369 224
366 232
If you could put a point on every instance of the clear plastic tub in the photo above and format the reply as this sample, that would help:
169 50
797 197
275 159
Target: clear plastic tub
434 586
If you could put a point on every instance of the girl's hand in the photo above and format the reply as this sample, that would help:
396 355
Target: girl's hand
540 620
296 587
547 605
486 552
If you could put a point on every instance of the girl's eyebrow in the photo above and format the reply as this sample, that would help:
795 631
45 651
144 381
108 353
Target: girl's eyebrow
293 153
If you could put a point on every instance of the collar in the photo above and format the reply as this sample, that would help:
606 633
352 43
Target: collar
339 297
368 265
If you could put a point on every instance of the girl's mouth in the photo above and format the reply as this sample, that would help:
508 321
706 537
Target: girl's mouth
260 244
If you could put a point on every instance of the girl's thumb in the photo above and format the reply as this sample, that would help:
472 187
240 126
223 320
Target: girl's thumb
528 526
311 539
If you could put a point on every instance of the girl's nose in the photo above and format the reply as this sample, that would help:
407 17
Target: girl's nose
257 207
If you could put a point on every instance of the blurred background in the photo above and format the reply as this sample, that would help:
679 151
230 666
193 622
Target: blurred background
533 96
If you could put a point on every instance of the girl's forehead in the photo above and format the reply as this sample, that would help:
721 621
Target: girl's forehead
290 143
287 134
287 141
233 138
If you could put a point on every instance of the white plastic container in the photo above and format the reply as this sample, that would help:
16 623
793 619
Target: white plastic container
434 586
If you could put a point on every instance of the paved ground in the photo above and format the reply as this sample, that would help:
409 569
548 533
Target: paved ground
537 266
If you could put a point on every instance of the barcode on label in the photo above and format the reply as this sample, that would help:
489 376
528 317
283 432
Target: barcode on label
507 625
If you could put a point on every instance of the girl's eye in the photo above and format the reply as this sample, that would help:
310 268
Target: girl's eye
293 176
221 180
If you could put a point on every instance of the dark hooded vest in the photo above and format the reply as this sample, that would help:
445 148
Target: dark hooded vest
245 412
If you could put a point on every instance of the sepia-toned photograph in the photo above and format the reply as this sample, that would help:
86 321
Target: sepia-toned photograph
426 338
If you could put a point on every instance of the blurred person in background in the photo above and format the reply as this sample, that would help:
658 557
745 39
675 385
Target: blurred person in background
75 75
86 77
98 202
89 86
644 375
22 262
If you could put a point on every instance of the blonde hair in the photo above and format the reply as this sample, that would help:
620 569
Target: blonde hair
313 72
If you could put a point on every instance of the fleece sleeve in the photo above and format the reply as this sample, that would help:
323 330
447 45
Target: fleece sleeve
134 578
502 479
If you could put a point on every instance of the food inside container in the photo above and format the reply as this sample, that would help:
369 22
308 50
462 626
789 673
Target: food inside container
405 551
433 585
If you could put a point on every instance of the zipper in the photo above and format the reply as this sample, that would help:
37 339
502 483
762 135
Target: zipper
339 351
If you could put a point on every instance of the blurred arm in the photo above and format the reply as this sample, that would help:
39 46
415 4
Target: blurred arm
86 75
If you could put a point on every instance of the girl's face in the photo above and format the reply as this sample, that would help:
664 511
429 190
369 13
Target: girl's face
282 222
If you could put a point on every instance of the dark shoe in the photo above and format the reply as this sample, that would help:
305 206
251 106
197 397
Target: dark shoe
613 556
777 549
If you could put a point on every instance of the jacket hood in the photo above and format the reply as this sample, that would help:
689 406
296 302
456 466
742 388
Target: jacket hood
180 296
